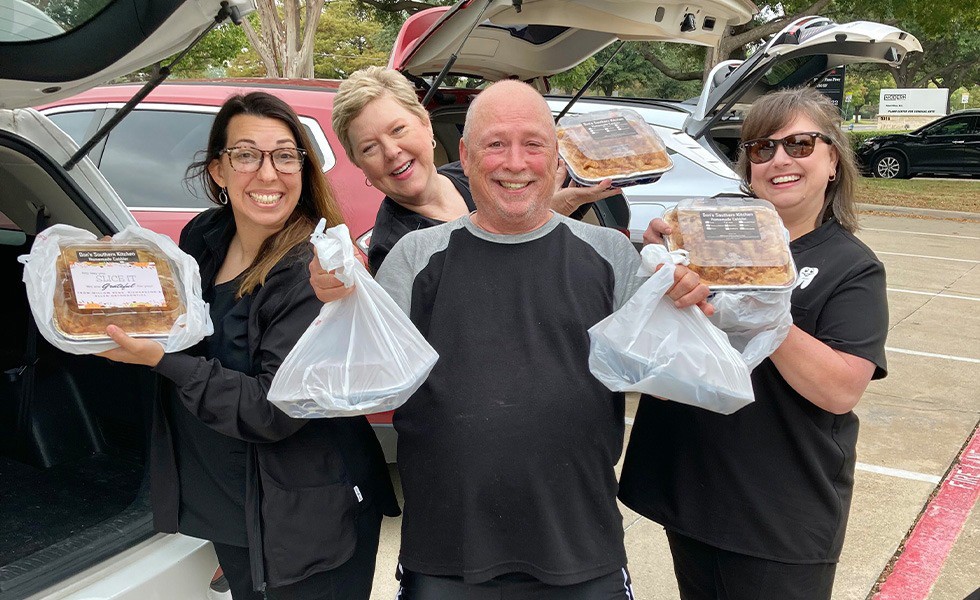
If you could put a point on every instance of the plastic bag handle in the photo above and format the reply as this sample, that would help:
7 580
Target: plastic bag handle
654 255
335 250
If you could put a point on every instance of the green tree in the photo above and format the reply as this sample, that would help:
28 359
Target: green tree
347 39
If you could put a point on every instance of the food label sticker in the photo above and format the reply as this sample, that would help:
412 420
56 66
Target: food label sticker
116 284
733 225
614 127
103 256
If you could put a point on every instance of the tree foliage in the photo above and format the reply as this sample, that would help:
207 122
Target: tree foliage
348 39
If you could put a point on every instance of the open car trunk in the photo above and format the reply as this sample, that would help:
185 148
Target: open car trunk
73 429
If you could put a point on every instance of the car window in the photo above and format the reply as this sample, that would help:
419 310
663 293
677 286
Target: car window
952 127
146 156
24 20
76 123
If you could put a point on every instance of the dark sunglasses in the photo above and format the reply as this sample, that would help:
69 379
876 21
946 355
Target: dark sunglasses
798 145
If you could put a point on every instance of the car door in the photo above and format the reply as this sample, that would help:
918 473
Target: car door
950 146
801 54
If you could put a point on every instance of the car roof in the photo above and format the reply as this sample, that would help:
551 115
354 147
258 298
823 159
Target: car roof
121 37
211 92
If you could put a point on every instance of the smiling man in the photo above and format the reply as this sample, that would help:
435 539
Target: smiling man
506 453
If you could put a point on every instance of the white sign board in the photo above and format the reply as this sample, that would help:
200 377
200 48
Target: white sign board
913 102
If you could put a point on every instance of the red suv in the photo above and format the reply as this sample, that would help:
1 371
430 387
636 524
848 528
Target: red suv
145 156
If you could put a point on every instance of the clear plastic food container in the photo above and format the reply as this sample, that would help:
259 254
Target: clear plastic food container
616 144
733 242
130 285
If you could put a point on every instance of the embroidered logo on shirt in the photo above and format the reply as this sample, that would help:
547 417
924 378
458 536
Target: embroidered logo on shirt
806 276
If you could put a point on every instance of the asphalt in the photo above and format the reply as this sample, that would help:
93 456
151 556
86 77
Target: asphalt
914 426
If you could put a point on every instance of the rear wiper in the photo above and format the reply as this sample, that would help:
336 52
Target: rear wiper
591 80
452 59
161 73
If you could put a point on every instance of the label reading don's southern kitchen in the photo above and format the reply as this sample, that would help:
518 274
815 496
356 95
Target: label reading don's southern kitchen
730 225
115 279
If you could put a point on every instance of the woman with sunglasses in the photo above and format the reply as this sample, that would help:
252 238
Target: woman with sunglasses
755 503
292 506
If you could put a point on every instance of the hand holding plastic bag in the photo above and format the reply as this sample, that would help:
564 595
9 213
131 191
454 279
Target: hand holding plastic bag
361 355
42 280
651 346
756 322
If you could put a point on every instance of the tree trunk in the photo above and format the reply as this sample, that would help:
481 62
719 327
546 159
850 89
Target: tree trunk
285 39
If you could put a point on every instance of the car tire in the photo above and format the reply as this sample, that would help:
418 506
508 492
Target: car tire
890 165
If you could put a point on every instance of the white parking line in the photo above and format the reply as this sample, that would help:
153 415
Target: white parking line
949 235
934 294
933 355
966 260
900 473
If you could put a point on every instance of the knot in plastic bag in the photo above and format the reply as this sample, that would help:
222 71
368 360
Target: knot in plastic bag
653 255
335 251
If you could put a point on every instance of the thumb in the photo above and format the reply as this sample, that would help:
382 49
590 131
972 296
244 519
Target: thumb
119 337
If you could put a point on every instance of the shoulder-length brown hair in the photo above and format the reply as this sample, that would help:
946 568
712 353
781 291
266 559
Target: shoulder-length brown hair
316 198
774 111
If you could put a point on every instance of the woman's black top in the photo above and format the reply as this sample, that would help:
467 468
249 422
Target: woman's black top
394 220
211 466
774 479
305 481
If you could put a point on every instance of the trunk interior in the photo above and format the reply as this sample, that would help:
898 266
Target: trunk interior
73 429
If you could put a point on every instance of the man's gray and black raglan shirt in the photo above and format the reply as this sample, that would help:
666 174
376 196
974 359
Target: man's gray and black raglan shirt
506 453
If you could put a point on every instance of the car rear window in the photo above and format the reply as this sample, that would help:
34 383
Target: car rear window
25 20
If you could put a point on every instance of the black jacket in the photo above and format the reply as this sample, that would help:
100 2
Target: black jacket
306 480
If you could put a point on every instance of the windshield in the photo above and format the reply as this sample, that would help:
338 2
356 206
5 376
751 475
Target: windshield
28 20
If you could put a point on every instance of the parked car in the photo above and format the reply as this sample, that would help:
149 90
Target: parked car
503 39
949 145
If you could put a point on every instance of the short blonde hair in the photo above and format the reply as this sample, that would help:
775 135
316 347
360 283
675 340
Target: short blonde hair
774 111
363 87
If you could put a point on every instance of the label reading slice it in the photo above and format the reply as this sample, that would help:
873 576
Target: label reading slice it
116 284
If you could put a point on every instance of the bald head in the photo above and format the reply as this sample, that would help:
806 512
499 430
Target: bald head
509 151
482 108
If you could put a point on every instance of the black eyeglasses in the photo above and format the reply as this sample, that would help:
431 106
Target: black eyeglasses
246 159
798 145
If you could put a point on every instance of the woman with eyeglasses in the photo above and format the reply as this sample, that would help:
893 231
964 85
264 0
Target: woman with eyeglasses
755 503
292 506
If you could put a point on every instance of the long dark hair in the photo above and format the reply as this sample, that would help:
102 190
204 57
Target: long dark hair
316 197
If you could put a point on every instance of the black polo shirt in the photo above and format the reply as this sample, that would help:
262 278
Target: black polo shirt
773 480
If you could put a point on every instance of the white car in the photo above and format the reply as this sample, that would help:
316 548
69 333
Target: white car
73 492
535 39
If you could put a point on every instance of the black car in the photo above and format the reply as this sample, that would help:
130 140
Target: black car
947 146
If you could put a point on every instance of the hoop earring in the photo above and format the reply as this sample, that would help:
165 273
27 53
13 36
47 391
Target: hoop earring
833 176
223 197
433 143
367 182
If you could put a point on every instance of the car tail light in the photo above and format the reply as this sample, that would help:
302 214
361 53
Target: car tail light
364 241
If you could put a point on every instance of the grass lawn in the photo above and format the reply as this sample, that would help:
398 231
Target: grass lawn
921 192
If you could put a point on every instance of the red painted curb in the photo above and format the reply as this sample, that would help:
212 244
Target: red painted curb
926 550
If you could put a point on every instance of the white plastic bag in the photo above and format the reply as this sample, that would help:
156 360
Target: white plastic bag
42 280
651 346
361 355
756 322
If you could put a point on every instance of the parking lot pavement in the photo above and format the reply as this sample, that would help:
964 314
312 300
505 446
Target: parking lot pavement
914 425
